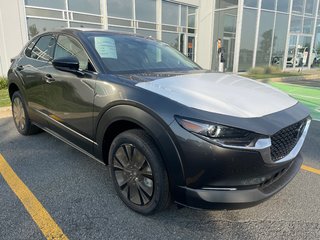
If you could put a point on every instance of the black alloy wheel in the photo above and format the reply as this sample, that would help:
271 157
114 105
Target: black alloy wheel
133 174
138 173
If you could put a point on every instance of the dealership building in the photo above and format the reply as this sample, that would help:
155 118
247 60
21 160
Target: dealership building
251 33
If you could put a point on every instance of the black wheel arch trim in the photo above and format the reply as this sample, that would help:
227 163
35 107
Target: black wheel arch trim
154 126
14 78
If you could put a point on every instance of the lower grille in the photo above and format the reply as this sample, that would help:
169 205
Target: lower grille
273 178
285 140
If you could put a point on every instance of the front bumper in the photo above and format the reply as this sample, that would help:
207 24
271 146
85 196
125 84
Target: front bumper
222 198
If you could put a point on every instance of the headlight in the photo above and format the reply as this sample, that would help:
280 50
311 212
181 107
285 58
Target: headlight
219 134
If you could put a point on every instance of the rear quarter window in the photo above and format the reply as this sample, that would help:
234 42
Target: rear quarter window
30 46
42 50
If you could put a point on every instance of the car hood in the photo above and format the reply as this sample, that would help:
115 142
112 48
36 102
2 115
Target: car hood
220 93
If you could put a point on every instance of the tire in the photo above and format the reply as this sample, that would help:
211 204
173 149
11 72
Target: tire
138 173
21 116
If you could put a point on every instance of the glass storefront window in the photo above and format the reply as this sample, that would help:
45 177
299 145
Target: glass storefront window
36 26
279 39
44 13
226 3
146 10
297 6
265 38
308 25
86 6
310 7
303 50
250 3
291 59
86 18
121 29
247 39
183 16
268 4
122 9
58 4
84 25
316 46
191 10
147 33
224 29
170 13
283 5
171 38
192 21
296 24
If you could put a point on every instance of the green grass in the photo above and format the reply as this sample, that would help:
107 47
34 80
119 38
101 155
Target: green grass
4 98
309 96
272 75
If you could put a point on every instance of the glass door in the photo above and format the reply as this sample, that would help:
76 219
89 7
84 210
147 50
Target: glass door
299 51
191 47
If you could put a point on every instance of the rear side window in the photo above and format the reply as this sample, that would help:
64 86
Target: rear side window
30 46
68 46
43 48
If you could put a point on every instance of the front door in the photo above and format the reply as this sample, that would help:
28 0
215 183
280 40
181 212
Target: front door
69 96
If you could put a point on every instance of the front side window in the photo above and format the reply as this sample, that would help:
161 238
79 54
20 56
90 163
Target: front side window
68 46
127 54
43 48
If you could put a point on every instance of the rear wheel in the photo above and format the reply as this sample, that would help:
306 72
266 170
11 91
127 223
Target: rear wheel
21 117
137 172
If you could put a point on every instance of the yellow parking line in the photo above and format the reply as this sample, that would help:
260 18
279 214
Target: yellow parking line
310 169
41 217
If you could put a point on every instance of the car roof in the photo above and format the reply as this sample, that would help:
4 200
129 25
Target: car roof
91 30
76 31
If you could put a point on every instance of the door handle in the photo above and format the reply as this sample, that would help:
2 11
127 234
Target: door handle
20 68
49 78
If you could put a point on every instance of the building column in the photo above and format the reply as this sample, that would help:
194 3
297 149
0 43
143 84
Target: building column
103 7
238 37
159 19
313 35
204 48
287 38
255 49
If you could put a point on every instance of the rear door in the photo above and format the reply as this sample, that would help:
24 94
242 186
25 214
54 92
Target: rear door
69 96
31 68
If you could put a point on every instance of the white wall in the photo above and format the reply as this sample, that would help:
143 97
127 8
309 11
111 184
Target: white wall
13 32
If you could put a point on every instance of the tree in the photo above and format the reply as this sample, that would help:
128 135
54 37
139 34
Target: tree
33 30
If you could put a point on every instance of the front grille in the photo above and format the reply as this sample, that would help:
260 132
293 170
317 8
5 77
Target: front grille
285 140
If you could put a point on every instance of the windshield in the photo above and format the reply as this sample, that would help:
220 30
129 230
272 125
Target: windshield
133 54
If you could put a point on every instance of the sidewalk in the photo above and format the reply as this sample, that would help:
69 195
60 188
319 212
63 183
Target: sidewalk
5 112
312 80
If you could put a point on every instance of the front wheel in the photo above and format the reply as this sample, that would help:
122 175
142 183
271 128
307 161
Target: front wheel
138 173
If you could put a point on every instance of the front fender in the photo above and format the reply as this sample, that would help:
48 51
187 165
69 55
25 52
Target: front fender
155 127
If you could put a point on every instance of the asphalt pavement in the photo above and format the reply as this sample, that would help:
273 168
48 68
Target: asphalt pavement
78 194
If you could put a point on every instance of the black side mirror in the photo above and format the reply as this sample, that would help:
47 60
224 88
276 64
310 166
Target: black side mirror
67 64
